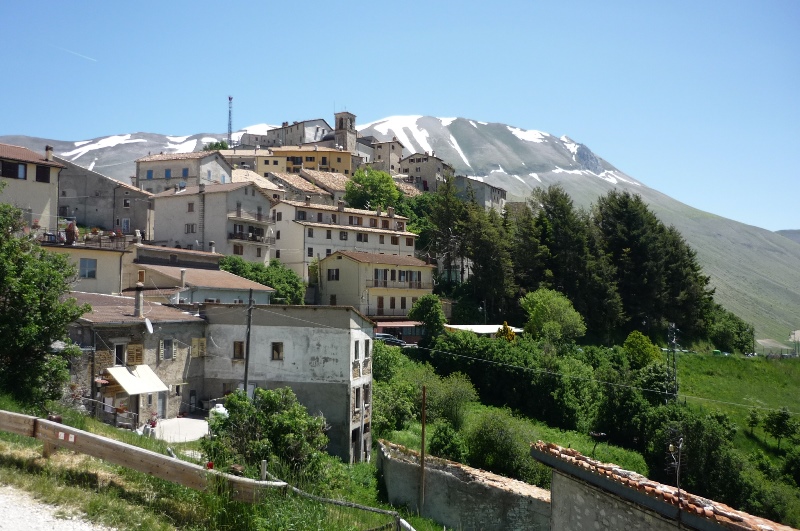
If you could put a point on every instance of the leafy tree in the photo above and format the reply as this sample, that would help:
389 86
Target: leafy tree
728 332
505 332
216 146
34 313
640 350
428 310
273 425
779 424
448 443
393 405
449 398
551 316
289 287
370 188
753 419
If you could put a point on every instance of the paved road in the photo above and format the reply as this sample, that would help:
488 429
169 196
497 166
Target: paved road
20 511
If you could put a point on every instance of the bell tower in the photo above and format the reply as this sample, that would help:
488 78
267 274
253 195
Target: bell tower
345 130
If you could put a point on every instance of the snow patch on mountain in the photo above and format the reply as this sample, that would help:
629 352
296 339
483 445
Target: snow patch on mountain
447 121
208 140
499 170
454 143
82 143
399 125
562 170
570 145
535 176
107 142
178 139
183 147
257 129
520 179
473 124
531 135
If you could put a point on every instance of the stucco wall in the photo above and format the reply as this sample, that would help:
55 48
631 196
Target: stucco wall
461 497
577 506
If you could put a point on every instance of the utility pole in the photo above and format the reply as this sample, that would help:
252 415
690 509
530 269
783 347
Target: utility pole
247 344
230 121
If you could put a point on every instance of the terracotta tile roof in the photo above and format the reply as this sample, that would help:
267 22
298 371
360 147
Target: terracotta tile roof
296 181
286 149
331 180
346 210
245 176
210 189
377 258
357 228
207 278
117 309
177 156
408 190
21 154
716 512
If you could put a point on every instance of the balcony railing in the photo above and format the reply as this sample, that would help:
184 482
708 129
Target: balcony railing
414 284
248 215
389 312
247 237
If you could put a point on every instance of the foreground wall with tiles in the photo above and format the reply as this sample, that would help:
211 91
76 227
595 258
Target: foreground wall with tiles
461 497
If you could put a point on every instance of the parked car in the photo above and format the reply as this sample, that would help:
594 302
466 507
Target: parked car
389 339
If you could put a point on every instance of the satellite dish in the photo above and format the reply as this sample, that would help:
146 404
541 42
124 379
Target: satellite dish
149 325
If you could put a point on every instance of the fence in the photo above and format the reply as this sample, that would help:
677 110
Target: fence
55 435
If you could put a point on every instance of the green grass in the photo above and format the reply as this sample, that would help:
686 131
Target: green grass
734 384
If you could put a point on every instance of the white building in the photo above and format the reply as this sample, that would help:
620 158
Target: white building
235 217
323 353
156 173
305 231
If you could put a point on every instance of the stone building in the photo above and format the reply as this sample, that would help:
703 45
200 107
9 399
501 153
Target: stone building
156 173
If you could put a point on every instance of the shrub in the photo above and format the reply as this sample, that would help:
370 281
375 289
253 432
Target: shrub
448 443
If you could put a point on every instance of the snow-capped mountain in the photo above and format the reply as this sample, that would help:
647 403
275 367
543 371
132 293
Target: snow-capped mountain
755 271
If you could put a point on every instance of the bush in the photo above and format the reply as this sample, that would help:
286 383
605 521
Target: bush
448 443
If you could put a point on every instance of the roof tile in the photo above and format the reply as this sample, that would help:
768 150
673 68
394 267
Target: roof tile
22 154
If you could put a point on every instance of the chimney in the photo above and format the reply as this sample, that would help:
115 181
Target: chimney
212 247
202 188
139 301
308 200
378 210
175 187
48 153
183 278
390 211
341 205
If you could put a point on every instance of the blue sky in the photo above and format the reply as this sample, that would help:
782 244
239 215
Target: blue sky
699 100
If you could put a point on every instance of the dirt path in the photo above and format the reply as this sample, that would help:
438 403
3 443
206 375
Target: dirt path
19 510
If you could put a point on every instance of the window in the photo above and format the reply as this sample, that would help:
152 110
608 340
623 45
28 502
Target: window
190 228
342 235
238 350
275 162
324 161
279 216
394 275
327 252
149 174
409 242
277 351
357 403
333 218
190 207
167 349
319 217
42 174
177 390
126 203
277 253
333 274
327 234
395 240
301 215
357 350
338 159
333 300
401 225
381 239
310 232
384 223
367 351
354 220
168 173
402 303
208 175
185 172
392 303
309 159
88 268
258 252
119 354
310 252
278 235
373 222
238 249
362 237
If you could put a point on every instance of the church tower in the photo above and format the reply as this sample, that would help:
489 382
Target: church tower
345 130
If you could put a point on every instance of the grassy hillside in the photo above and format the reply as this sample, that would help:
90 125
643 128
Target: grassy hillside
733 384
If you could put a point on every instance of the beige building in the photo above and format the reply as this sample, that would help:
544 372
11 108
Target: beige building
31 184
333 183
156 173
99 263
387 156
249 176
305 231
232 218
425 171
378 285
291 159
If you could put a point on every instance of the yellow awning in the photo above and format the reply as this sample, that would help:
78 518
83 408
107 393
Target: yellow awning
137 380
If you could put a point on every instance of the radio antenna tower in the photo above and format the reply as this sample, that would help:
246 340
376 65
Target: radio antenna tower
230 121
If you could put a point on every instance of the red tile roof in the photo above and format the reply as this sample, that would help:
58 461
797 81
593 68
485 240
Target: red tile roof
388 259
116 309
21 154
173 250
719 513
296 181
207 278
177 156
346 210
332 180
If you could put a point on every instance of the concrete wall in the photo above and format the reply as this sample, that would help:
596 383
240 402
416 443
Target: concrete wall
38 200
108 274
577 506
461 497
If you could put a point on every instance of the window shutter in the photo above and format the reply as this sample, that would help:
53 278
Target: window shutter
134 355
202 347
161 350
194 349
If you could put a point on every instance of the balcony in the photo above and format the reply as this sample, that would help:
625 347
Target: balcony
251 216
250 238
387 312
392 284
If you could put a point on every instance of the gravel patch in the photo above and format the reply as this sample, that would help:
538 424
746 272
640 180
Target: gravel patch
19 510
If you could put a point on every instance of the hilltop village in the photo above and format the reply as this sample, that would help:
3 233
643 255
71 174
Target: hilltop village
148 263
